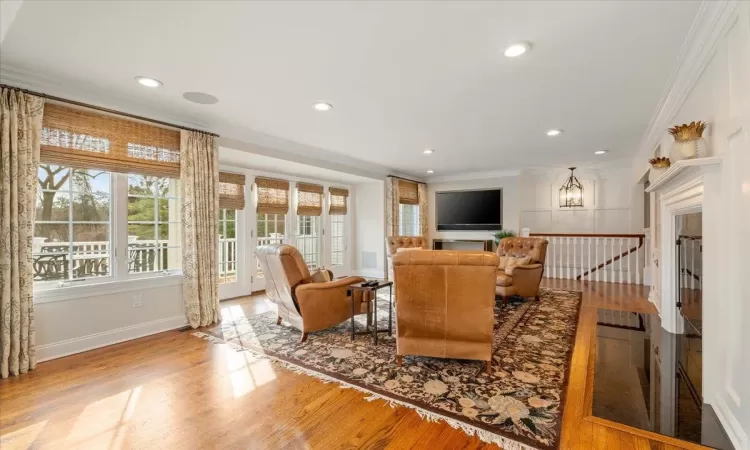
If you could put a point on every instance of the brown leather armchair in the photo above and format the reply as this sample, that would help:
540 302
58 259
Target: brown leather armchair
445 302
521 280
393 243
308 306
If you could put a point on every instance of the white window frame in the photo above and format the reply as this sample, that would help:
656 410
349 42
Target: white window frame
316 233
342 218
237 245
405 228
119 280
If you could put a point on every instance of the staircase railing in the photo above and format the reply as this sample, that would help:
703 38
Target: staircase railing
617 258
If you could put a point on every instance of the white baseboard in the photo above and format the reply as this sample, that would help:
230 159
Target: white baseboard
731 424
369 273
84 343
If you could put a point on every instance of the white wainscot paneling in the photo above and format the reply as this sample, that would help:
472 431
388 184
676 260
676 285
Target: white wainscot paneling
539 221
609 221
573 221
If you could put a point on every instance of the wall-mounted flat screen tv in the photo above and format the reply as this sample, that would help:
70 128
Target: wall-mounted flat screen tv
479 210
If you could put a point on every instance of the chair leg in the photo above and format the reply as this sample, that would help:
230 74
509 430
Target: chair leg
505 300
399 360
278 320
488 367
303 338
537 298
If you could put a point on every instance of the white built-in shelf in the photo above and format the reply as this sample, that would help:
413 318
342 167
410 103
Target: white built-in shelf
682 166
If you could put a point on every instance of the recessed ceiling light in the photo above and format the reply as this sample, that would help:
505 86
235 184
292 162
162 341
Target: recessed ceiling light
517 49
554 132
430 171
148 82
322 106
201 98
600 152
428 151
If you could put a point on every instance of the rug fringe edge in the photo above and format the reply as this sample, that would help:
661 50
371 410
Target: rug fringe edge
484 435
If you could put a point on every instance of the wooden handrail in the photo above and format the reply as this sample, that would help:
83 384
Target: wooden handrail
641 238
589 235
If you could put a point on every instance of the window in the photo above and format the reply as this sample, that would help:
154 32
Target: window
154 228
271 230
409 220
227 246
308 240
72 233
337 240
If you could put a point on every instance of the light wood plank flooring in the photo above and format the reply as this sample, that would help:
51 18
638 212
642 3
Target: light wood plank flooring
172 390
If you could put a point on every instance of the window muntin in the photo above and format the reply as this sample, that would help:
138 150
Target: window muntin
227 246
337 240
72 231
271 230
154 228
408 220
308 240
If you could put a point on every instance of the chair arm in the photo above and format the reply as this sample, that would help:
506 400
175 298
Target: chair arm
323 305
526 279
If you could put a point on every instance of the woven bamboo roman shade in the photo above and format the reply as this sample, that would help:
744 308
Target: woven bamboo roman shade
408 192
87 139
339 198
231 190
273 196
309 199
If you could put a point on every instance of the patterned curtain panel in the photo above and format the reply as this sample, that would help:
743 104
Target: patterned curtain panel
199 173
391 206
231 190
20 135
309 199
338 206
273 196
422 193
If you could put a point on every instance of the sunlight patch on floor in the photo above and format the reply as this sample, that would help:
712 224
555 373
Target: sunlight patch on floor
101 423
23 438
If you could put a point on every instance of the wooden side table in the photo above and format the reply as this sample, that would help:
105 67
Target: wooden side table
373 304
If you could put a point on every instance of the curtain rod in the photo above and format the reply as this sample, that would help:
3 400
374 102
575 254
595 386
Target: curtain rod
406 179
106 110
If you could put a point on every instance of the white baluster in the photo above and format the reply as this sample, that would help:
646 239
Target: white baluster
574 260
628 246
612 265
596 257
604 259
567 257
619 248
692 263
588 268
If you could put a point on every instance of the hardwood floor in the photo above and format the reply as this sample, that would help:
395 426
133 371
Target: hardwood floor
172 390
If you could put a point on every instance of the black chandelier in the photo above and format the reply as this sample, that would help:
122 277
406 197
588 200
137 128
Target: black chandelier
571 193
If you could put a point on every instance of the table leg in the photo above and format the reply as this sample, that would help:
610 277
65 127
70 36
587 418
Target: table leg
374 301
352 315
390 310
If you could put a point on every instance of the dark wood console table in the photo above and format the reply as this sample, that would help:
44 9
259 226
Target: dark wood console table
438 244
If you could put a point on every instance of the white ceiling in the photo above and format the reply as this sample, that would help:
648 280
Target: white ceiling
401 76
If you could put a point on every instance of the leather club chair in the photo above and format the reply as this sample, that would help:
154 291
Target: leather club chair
521 280
308 306
393 243
445 302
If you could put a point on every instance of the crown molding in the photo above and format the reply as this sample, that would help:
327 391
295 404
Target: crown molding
699 47
231 135
472 176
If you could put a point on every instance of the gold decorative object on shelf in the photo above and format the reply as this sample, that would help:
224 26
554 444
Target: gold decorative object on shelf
688 141
659 165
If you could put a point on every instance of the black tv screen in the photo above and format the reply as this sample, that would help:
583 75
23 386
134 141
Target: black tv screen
480 210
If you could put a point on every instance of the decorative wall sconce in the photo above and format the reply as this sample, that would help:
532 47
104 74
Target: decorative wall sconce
571 193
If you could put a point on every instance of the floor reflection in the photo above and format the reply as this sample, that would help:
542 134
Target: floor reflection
648 378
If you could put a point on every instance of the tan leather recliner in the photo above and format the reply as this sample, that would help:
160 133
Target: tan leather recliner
306 305
445 302
393 243
522 280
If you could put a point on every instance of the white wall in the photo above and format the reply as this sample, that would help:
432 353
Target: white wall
97 315
721 97
612 202
509 185
368 219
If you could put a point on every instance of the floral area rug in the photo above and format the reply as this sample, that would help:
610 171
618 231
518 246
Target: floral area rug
518 406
